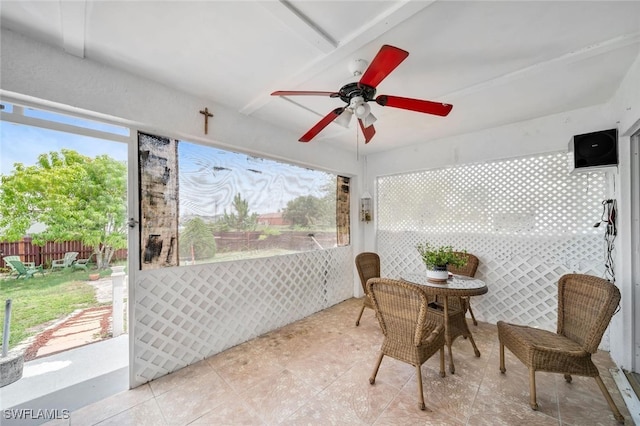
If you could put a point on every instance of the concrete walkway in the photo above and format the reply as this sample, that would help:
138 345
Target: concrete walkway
84 327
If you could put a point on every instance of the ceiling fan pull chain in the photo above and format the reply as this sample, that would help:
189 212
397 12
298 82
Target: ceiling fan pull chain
357 144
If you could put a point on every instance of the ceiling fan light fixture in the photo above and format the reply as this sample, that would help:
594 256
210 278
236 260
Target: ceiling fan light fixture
362 110
345 118
369 120
355 101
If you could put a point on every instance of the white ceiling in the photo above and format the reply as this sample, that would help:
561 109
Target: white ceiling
497 62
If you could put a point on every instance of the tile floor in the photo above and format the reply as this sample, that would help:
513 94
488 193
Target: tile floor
316 372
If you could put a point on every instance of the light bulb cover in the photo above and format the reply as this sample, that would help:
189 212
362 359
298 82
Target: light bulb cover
362 110
345 118
369 120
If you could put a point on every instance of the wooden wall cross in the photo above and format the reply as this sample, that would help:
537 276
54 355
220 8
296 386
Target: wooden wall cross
206 114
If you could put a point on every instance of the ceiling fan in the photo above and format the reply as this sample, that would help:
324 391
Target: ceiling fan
356 95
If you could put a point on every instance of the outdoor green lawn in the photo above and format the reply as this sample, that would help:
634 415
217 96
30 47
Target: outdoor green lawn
40 300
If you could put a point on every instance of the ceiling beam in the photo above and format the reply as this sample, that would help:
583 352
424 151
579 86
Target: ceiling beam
72 23
563 60
300 24
360 37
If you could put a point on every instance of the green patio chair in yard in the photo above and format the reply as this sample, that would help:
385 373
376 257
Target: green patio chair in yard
64 263
7 260
84 264
22 270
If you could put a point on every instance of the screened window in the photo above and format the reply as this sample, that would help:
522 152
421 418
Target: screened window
225 205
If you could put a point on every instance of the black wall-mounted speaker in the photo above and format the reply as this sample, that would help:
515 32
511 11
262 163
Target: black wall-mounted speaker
596 149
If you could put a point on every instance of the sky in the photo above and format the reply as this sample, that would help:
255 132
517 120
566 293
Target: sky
23 144
209 177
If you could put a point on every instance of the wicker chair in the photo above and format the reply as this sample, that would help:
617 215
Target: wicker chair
401 309
468 270
585 307
368 265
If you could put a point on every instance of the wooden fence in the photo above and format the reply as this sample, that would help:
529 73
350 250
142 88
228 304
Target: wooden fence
29 252
225 241
289 240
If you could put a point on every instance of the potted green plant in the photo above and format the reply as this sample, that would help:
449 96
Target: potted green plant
436 259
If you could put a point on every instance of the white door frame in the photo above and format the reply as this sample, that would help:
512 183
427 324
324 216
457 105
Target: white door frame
133 246
635 248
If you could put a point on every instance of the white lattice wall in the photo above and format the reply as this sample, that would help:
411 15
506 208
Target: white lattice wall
185 314
528 220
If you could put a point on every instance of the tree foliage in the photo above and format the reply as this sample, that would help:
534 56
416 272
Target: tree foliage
77 198
242 219
303 211
328 207
196 240
310 211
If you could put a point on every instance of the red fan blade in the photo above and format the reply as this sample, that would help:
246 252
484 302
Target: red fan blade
321 125
387 59
368 132
428 107
303 93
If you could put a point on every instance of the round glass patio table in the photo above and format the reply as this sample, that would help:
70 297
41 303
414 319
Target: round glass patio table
456 285
455 323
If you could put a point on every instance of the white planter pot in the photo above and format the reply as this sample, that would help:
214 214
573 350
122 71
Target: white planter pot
117 269
438 275
11 367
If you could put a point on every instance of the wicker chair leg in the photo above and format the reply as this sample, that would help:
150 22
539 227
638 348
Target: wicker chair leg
607 396
420 393
360 316
372 379
475 348
532 389
502 369
452 368
442 373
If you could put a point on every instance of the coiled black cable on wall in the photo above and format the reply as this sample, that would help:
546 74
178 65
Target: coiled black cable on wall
609 213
